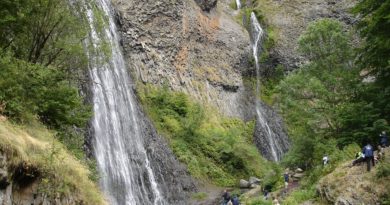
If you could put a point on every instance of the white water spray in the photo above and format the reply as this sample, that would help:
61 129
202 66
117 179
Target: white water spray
258 37
126 174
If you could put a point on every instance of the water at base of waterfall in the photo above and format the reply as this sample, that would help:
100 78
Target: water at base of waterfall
126 174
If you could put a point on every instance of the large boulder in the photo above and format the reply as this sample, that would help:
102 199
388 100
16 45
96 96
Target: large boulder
207 5
244 184
254 180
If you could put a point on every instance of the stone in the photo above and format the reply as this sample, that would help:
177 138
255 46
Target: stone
254 180
299 170
298 175
244 184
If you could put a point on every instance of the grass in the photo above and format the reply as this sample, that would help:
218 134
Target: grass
60 172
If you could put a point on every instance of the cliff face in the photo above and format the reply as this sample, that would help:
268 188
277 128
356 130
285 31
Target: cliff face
290 18
195 47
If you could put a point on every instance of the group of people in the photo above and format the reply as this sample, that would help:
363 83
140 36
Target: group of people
228 200
367 153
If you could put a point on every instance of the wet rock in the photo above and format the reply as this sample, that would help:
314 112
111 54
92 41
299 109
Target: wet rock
244 184
207 5
273 123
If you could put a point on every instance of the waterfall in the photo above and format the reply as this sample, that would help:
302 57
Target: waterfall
125 170
273 144
238 3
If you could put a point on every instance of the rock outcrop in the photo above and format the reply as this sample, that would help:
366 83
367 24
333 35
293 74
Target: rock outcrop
20 186
201 53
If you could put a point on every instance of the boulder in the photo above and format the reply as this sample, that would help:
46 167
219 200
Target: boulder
244 184
298 170
298 175
254 180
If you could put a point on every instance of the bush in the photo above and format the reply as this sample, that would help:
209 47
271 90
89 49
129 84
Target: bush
383 170
29 90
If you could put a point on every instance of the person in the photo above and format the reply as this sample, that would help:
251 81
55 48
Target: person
225 197
325 160
229 202
235 200
368 152
359 158
266 193
275 201
384 140
286 179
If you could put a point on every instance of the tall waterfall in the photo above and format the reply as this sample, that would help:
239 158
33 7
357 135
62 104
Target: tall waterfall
238 3
126 174
273 145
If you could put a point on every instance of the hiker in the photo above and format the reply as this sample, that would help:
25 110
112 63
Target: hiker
325 160
225 197
275 201
286 179
359 158
229 202
235 200
384 140
368 152
266 193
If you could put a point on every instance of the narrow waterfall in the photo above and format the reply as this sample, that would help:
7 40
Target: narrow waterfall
126 173
273 145
238 3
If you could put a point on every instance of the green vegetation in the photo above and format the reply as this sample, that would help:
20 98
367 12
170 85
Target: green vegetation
42 64
329 104
60 174
214 148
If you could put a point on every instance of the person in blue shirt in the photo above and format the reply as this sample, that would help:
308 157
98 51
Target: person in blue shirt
235 200
368 152
384 139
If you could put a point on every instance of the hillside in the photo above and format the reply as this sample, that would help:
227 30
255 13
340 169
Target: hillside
35 168
354 185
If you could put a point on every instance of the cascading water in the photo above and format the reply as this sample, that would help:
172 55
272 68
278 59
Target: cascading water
126 174
273 145
238 3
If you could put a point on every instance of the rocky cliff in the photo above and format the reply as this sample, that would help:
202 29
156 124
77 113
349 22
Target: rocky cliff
195 47
290 18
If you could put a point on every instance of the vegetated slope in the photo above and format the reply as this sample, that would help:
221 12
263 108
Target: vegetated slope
36 168
216 149
354 185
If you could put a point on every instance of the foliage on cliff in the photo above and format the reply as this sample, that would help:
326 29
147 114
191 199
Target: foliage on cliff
213 147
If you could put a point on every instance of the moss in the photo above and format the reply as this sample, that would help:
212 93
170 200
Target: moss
60 172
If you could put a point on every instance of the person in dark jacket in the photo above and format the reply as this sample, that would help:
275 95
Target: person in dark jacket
368 152
235 200
225 197
384 139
